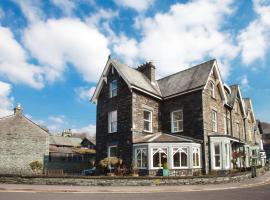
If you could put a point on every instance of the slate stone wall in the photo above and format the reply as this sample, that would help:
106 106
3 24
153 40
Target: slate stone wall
126 181
191 104
123 104
18 151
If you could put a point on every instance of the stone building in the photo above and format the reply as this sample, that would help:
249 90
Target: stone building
21 142
70 154
265 130
190 120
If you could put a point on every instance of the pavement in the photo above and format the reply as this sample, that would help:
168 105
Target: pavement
258 181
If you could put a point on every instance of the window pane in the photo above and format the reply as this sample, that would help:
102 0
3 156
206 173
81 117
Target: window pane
144 158
163 158
146 115
180 125
176 160
113 152
156 160
217 160
113 88
177 115
146 126
183 159
217 149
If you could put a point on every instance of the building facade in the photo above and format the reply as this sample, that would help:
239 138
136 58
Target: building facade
191 120
22 142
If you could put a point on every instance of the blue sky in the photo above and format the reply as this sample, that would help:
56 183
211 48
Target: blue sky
53 51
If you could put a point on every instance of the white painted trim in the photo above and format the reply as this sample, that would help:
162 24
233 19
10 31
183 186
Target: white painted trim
215 70
151 121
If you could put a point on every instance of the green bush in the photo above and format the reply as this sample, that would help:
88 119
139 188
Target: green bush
36 166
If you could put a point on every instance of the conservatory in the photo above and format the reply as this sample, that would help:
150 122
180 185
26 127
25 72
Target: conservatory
181 155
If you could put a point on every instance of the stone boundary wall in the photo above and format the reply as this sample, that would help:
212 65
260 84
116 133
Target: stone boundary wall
125 180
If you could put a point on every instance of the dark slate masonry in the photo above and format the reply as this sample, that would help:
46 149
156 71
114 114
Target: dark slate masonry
123 104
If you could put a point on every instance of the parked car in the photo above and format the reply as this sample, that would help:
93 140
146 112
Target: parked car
89 172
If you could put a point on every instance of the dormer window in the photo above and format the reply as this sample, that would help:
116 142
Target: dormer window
113 88
212 89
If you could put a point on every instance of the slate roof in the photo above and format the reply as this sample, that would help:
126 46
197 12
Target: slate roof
233 96
65 141
18 124
186 80
136 78
162 137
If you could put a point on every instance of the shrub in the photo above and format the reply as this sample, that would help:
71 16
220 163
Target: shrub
36 166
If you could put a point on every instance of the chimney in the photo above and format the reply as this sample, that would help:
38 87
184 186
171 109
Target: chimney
18 109
148 69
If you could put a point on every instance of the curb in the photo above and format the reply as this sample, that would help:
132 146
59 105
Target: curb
158 189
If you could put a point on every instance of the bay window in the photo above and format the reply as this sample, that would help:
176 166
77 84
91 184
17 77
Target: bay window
217 155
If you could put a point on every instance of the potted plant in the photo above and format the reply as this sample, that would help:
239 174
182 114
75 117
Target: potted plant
165 171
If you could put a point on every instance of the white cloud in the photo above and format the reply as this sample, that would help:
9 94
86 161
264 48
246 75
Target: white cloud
57 43
254 40
244 82
31 9
85 93
177 39
6 104
67 6
138 5
57 119
13 62
90 130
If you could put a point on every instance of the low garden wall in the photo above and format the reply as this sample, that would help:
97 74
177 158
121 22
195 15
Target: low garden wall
125 180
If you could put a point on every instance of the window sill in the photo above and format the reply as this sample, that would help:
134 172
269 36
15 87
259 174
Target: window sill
214 98
112 132
147 131
180 131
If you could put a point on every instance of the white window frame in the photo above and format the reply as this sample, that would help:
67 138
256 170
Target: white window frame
180 150
172 122
159 151
196 150
109 153
214 120
212 89
227 150
148 120
110 122
214 156
139 151
225 125
112 94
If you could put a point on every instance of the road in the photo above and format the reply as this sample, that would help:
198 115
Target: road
252 193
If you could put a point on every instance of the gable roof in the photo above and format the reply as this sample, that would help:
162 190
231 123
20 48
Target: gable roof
249 108
133 78
234 95
189 79
18 124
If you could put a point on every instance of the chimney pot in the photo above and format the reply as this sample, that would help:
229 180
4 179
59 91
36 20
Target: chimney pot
18 109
